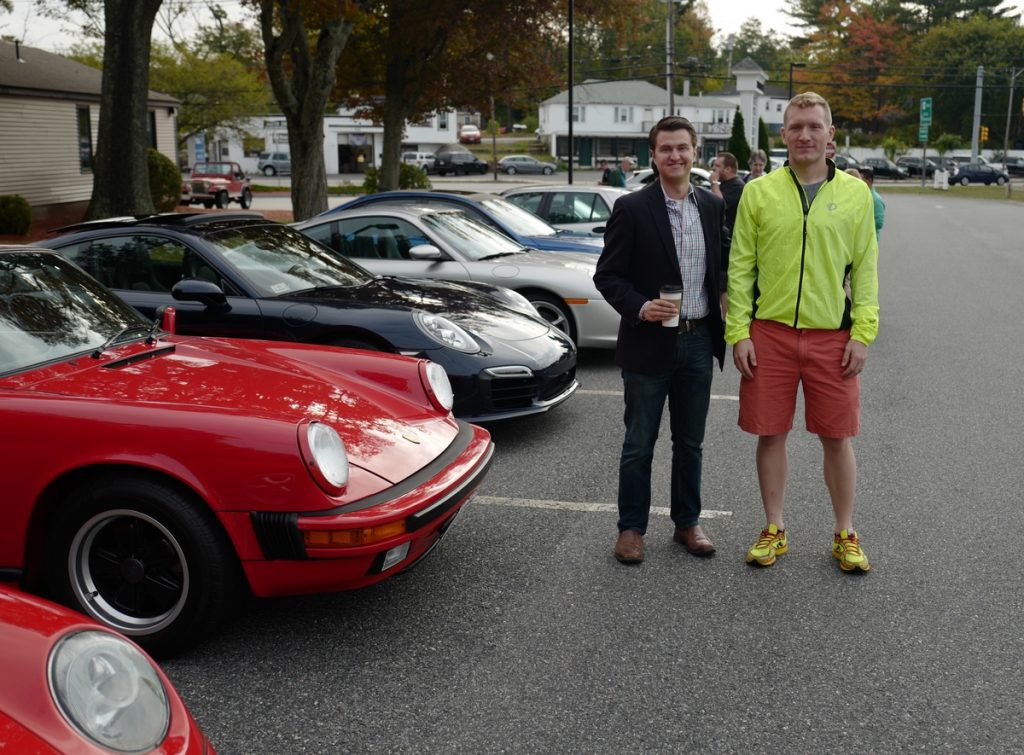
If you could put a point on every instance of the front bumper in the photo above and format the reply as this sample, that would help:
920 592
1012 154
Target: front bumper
426 502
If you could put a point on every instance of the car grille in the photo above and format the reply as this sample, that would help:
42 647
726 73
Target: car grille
558 385
199 187
510 387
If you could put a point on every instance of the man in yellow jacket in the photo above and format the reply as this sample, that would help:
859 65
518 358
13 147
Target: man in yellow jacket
798 233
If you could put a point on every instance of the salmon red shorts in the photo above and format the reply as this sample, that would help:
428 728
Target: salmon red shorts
787 357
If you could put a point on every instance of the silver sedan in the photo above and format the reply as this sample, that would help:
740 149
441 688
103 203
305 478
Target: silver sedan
425 242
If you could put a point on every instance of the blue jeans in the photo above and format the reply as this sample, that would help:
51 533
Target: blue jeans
687 385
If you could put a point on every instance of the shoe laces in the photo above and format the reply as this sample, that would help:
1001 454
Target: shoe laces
850 544
767 538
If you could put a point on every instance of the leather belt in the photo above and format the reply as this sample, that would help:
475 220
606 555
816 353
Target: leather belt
688 326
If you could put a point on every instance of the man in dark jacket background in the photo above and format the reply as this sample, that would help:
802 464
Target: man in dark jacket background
670 233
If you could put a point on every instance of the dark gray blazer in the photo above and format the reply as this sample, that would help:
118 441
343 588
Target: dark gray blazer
640 256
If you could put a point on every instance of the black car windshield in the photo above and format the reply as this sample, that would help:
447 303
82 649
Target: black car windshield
50 310
277 260
516 218
470 237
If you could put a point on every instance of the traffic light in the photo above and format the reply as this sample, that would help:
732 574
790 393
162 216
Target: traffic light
984 133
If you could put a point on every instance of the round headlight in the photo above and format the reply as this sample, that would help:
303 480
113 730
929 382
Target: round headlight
447 333
439 387
109 691
328 454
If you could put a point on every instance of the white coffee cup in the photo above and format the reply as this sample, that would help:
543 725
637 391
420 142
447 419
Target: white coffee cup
672 294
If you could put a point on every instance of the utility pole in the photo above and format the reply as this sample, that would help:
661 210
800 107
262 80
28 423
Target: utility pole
670 37
572 77
1009 111
976 127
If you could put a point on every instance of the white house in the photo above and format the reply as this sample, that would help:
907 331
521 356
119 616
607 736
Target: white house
612 118
351 144
49 118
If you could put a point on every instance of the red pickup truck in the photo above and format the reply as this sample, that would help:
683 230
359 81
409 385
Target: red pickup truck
217 184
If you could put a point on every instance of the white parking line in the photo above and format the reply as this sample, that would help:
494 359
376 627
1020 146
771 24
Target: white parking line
585 392
604 508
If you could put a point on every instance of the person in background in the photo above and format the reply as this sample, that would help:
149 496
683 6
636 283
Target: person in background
726 183
868 175
621 174
798 231
758 162
605 172
670 233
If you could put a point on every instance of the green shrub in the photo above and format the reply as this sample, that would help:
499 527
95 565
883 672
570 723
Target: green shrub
15 215
164 182
409 177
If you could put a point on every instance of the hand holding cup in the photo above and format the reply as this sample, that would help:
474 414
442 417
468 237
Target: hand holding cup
672 296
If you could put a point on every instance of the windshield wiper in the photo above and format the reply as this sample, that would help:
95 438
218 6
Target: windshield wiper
524 250
150 338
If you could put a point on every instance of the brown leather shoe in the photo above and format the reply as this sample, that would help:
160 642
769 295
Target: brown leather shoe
695 541
629 548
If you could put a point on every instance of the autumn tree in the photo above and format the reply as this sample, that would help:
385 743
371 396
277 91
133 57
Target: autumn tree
302 40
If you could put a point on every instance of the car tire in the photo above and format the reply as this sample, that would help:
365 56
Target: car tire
553 310
965 181
222 200
510 170
207 203
548 171
246 199
1000 181
145 559
269 171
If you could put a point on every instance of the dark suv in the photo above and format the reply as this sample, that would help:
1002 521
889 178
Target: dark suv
459 163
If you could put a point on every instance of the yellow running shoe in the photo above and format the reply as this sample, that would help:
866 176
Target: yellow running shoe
771 543
846 548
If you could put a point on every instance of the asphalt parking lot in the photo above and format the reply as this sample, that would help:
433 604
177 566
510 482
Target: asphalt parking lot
521 634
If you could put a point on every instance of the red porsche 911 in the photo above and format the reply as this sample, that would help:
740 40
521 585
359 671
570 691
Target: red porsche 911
71 685
148 476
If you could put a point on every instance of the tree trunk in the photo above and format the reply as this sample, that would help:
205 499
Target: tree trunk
121 168
395 113
302 79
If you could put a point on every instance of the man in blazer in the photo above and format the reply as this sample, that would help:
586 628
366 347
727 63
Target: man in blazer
669 233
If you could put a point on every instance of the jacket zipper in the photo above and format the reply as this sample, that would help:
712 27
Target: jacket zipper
803 247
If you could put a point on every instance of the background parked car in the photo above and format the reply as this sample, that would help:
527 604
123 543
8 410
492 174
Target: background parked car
976 173
1015 166
243 276
912 164
461 163
217 184
272 163
71 685
180 473
845 161
496 211
469 134
416 241
574 207
513 164
883 167
424 160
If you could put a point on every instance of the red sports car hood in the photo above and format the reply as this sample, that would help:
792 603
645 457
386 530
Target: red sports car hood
376 402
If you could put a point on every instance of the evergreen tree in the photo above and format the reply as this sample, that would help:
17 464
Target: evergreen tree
738 141
762 142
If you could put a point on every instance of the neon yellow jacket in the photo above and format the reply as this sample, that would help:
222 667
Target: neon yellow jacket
794 259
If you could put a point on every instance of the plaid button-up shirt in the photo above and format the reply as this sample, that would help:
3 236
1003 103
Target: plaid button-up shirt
688 235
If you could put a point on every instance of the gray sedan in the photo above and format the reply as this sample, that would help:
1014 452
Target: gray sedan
525 164
425 242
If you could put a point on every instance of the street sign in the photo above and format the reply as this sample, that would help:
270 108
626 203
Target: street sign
922 133
926 111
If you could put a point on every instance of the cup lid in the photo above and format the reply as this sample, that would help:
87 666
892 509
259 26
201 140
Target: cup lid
671 289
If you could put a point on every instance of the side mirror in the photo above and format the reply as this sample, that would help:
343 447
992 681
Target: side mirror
425 252
204 292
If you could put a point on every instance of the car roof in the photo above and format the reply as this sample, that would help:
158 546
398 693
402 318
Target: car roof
565 187
176 220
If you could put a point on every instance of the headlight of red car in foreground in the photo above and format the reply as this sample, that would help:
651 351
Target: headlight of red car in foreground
109 691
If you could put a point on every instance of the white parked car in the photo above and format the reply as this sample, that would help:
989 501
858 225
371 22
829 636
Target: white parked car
424 160
574 207
415 241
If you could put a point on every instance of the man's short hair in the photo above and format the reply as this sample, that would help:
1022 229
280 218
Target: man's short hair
728 160
806 100
672 123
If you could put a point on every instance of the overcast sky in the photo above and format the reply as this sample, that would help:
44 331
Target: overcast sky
726 16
